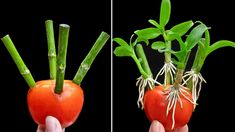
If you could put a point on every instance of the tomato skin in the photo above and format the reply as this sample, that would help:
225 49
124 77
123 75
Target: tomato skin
66 107
155 106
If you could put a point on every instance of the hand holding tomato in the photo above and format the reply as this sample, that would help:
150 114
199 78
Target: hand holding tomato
158 127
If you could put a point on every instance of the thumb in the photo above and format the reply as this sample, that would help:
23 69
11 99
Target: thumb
156 127
53 125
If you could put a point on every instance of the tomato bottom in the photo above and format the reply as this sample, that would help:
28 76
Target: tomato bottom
170 107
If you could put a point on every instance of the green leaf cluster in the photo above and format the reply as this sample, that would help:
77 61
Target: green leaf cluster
187 35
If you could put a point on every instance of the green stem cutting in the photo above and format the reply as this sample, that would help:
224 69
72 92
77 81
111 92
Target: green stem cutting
18 61
87 62
61 60
51 48
144 62
167 59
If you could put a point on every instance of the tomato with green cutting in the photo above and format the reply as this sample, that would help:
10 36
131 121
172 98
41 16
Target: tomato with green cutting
56 96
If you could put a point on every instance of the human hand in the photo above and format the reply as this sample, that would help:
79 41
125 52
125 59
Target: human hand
158 127
52 125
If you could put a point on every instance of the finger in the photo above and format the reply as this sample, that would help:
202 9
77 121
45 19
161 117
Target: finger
40 129
53 125
156 127
182 129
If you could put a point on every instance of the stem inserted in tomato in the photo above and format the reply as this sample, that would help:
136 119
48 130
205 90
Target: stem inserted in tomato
87 62
18 61
145 80
178 77
51 48
61 60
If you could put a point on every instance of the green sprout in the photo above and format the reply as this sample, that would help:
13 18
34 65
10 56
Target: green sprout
159 29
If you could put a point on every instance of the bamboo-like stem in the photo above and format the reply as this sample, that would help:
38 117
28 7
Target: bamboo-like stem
178 77
144 62
61 60
87 62
51 48
18 61
168 60
142 72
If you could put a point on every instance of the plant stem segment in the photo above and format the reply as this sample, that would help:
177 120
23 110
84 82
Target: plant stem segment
18 61
168 60
51 48
143 60
199 60
61 60
87 62
197 64
142 72
179 77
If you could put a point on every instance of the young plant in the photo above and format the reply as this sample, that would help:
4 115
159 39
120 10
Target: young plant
178 106
56 97
159 29
171 104
136 52
193 77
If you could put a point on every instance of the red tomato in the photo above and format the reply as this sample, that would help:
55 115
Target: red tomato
42 101
155 107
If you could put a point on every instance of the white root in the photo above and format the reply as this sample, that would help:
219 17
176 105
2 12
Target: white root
167 68
173 96
173 114
197 80
142 84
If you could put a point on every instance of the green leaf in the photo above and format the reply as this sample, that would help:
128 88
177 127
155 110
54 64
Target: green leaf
174 61
120 41
158 45
180 55
207 38
182 28
131 41
165 12
122 51
170 36
153 22
220 44
202 48
147 33
142 40
195 36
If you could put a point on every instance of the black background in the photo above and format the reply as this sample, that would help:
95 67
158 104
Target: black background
24 22
217 96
